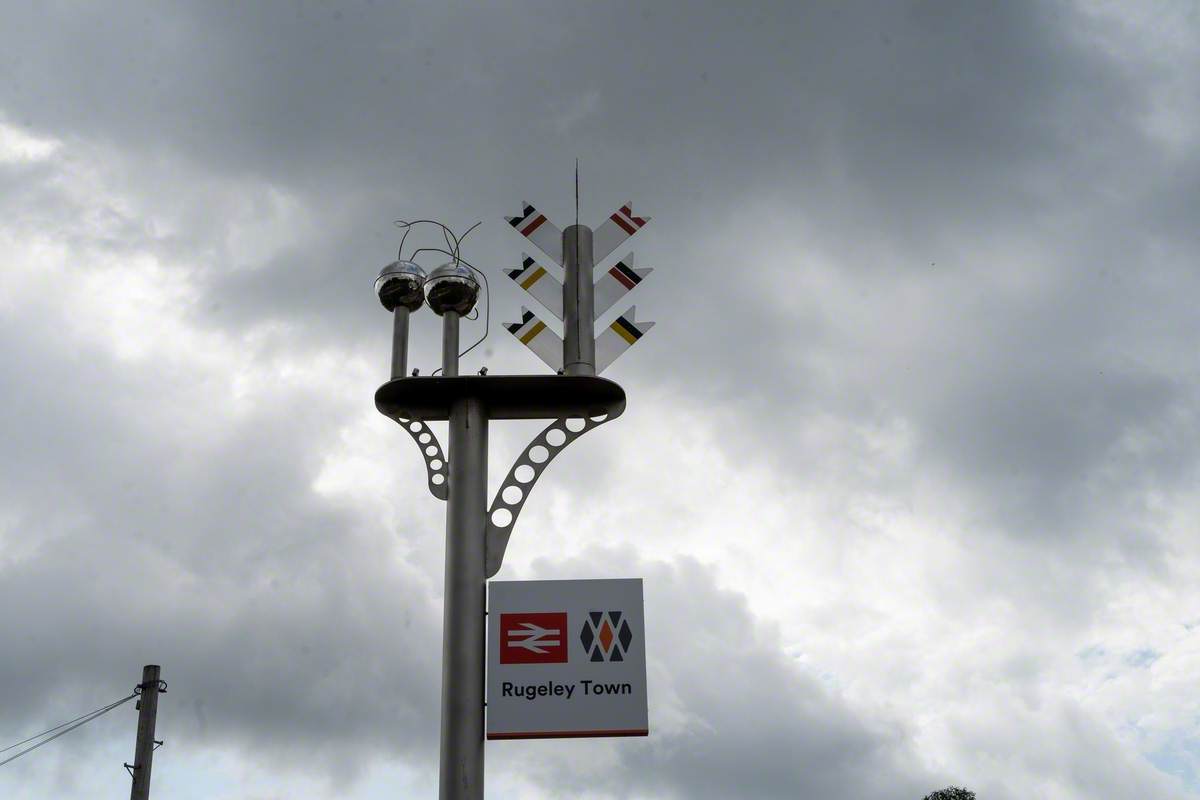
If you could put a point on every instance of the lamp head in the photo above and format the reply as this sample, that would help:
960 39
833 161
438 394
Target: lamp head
401 284
451 287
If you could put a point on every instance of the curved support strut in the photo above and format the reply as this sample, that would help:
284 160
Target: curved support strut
437 470
526 470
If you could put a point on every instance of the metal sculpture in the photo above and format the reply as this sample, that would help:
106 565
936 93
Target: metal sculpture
575 400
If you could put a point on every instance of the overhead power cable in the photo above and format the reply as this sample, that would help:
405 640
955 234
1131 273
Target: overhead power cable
66 728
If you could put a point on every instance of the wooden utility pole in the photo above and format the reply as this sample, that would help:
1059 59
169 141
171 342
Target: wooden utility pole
143 754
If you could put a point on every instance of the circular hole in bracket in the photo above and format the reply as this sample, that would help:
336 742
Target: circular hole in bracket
431 451
425 437
524 473
599 418
576 424
415 427
555 437
502 518
512 494
436 464
538 454
438 478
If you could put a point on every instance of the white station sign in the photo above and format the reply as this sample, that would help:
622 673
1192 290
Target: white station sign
566 659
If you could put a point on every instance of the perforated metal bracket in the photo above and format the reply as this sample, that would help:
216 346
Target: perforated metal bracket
436 469
526 470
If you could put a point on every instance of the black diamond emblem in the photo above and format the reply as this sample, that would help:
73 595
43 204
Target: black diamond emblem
625 636
586 636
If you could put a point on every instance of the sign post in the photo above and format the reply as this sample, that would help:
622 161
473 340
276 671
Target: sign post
575 400
566 659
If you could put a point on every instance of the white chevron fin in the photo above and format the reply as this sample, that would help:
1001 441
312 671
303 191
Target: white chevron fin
540 284
614 231
616 282
618 337
538 337
533 225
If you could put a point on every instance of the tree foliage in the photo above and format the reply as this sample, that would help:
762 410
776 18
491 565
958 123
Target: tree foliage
951 793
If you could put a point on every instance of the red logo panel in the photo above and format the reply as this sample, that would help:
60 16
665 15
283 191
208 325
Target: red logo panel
533 638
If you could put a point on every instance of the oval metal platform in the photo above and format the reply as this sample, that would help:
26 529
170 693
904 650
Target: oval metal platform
505 396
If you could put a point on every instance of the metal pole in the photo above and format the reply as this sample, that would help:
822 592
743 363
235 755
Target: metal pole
579 340
400 342
450 343
465 603
143 754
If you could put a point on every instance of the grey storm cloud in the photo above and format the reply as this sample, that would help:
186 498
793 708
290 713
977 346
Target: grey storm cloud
749 719
213 556
952 226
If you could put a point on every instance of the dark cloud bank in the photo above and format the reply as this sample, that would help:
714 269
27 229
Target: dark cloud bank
977 238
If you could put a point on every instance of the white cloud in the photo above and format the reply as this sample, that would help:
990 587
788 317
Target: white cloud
19 147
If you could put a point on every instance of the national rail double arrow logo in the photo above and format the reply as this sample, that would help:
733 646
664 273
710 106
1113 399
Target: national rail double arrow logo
533 638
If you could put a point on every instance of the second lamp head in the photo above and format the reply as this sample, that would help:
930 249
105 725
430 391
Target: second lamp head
451 287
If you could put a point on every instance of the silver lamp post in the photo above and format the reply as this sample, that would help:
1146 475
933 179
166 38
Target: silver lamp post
401 289
451 292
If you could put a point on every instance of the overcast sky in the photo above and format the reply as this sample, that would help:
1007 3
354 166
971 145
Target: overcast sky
909 464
